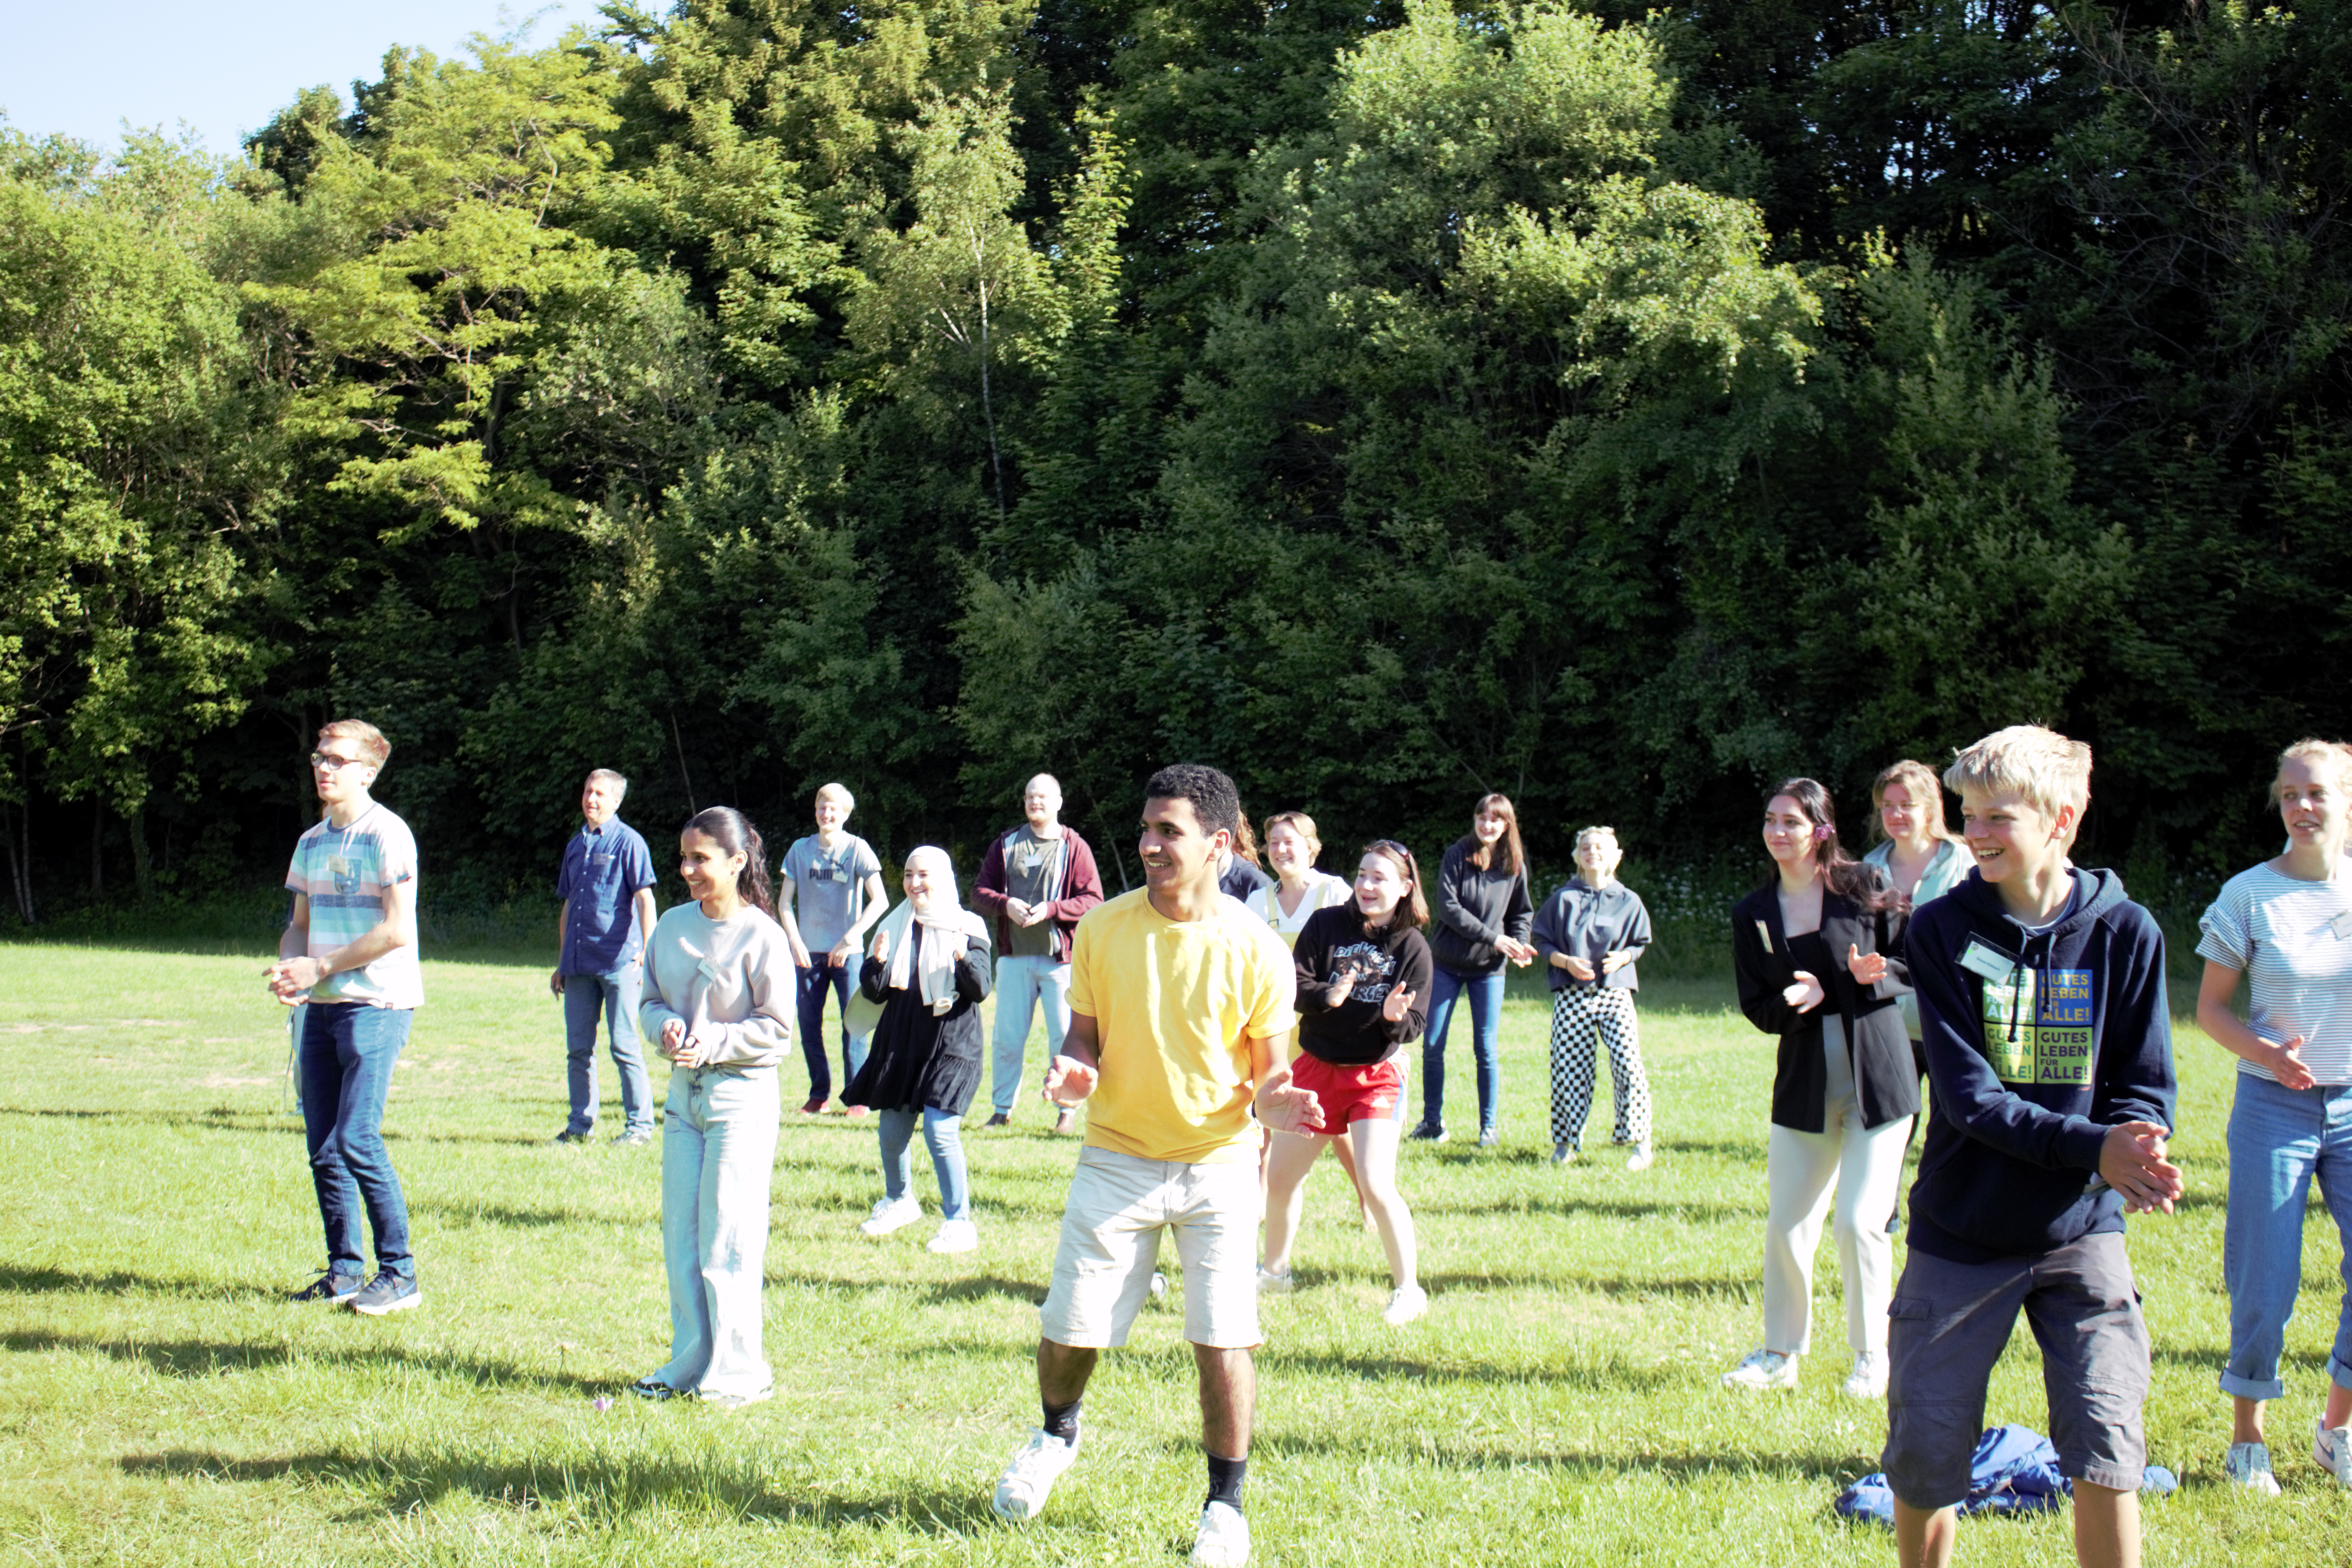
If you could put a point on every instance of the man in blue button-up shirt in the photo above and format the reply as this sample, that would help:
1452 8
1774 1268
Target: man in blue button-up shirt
607 888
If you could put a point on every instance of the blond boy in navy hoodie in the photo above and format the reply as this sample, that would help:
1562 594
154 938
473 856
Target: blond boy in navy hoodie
2042 1004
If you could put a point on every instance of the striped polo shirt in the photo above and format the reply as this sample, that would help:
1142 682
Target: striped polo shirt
343 873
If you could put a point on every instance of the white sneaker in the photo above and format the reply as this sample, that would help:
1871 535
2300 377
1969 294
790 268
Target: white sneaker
955 1235
1028 1479
1270 1283
1640 1159
1224 1541
2331 1449
889 1215
1405 1303
1760 1369
1868 1378
2249 1466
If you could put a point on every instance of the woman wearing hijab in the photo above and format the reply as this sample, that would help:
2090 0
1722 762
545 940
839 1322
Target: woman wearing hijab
928 970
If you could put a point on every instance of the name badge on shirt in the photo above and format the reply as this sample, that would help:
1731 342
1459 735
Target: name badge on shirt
1982 960
2341 925
1764 935
709 969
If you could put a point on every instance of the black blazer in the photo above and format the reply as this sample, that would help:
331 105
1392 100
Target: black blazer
1886 1078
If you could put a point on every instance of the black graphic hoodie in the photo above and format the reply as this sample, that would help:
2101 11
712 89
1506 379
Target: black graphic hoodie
2036 1046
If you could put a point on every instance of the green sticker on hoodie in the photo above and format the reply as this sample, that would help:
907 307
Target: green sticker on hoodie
2037 1027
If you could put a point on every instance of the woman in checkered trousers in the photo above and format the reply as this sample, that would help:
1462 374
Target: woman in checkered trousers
1588 933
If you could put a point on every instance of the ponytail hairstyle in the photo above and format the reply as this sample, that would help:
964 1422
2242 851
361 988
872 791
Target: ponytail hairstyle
1858 884
1513 856
727 828
1413 909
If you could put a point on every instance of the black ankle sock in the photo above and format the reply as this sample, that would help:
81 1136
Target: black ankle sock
1225 1477
1062 1420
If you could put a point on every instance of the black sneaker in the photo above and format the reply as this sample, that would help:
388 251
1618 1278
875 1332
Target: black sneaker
1429 1132
329 1286
386 1293
999 1119
569 1136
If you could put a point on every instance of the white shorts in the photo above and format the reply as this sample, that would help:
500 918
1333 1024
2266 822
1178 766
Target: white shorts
1110 1243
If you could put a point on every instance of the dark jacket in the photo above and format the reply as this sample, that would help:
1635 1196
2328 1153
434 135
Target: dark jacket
1080 889
917 1059
1354 1034
1587 923
1240 879
2031 1071
1474 909
1885 1078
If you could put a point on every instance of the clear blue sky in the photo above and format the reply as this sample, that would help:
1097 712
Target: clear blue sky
84 66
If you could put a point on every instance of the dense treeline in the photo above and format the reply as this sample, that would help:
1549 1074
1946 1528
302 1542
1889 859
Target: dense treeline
1616 407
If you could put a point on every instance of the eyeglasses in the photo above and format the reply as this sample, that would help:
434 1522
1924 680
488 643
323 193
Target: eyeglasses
333 763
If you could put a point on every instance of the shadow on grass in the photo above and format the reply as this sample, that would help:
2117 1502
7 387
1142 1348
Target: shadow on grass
275 1123
1566 1204
207 1358
1485 1372
606 1487
20 1281
1027 1292
1820 1466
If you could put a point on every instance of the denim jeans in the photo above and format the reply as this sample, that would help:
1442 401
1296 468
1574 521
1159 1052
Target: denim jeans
823 974
1022 981
719 1153
613 995
943 1135
2279 1139
1485 994
348 1050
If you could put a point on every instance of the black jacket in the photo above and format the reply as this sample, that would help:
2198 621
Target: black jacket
1354 1034
2031 1072
1474 909
1886 1078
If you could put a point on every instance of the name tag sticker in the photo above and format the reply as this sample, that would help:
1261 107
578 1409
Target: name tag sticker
2341 925
1982 960
710 971
1764 935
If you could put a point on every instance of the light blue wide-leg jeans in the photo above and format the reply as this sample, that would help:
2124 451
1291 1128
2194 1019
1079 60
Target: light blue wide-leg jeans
1023 982
719 1151
2280 1138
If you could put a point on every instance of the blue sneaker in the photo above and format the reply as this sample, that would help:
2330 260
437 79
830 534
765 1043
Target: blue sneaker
329 1286
386 1293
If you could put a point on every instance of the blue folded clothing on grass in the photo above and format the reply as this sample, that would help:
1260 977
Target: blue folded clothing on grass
2015 1470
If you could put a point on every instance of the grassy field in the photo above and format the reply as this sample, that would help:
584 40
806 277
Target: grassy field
160 1402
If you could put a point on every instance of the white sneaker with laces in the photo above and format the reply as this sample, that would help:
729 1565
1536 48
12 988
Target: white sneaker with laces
1271 1283
889 1215
1224 1540
2331 1449
2249 1466
1029 1476
1405 1303
1640 1159
1868 1378
1760 1369
955 1235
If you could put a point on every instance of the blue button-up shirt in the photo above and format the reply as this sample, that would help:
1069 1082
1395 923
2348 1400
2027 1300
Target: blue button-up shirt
603 870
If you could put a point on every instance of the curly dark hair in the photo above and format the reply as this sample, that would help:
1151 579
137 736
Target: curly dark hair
1214 799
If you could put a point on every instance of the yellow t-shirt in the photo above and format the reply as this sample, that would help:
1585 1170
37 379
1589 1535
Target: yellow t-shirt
1176 1004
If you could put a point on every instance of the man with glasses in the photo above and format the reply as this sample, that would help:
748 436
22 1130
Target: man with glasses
607 888
350 951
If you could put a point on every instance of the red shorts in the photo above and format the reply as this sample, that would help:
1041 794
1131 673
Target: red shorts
1349 1094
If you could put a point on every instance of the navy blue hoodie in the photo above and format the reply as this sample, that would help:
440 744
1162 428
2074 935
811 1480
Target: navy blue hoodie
2036 1047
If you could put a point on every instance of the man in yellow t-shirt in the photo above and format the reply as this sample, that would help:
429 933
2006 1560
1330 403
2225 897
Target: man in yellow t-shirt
1181 1012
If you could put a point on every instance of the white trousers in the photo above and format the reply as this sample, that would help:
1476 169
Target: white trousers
1866 1165
719 1151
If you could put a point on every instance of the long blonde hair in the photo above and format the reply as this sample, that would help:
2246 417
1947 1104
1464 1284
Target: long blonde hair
1926 789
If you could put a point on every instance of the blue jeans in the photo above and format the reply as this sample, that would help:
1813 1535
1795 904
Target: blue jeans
348 1050
614 996
2279 1139
719 1156
840 978
1485 994
1021 982
943 1135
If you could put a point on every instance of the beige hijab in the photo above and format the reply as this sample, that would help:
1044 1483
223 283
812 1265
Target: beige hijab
926 940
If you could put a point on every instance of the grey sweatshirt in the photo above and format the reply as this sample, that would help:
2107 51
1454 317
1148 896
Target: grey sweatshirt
730 980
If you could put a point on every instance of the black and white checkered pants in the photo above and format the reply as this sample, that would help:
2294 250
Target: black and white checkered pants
1578 1015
